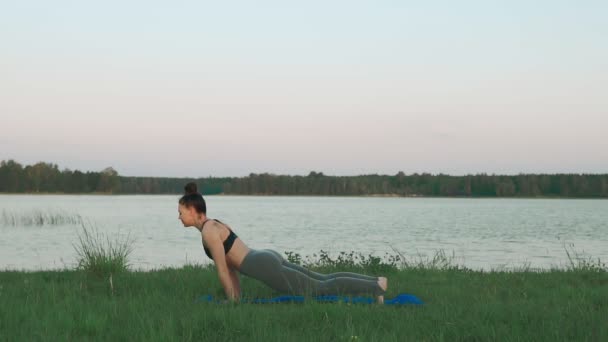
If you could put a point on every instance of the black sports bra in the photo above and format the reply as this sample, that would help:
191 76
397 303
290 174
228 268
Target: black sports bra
227 243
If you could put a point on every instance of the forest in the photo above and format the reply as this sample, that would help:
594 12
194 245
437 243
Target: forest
45 177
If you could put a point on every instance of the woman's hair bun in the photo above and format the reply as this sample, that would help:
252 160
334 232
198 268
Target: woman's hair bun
191 188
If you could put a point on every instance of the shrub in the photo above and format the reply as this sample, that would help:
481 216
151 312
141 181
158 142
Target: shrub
101 255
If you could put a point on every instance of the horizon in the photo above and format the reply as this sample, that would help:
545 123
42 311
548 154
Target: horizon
200 89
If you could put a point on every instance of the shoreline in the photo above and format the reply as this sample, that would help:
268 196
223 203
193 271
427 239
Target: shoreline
300 195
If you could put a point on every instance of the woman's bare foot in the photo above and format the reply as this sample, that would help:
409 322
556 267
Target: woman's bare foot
383 283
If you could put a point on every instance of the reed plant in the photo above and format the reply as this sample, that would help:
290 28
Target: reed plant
100 254
39 218
579 261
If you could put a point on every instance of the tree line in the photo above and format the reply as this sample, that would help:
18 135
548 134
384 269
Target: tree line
47 178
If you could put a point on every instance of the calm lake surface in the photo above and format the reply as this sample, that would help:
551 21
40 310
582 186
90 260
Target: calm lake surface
479 233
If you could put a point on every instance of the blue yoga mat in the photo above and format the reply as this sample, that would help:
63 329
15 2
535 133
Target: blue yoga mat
400 299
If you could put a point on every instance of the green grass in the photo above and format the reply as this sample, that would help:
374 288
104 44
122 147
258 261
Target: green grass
461 305
103 300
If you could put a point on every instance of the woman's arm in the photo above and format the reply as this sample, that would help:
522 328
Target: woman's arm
236 283
214 243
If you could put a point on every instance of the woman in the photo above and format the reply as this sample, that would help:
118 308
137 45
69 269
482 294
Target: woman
230 255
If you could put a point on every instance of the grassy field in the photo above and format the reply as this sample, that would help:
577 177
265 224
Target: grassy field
567 305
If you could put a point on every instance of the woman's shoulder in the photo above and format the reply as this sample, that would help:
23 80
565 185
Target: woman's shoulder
216 225
216 221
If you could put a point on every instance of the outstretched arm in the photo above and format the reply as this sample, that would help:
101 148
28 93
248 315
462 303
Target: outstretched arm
236 283
214 243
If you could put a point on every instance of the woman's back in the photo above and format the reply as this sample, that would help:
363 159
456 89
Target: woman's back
238 249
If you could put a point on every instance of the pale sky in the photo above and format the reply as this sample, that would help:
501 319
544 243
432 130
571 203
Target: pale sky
226 88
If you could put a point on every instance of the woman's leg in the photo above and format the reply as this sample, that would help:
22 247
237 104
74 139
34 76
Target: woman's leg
266 266
320 276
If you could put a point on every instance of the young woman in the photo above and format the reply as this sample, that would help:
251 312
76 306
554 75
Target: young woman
230 255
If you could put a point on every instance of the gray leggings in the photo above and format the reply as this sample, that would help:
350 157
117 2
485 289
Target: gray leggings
273 270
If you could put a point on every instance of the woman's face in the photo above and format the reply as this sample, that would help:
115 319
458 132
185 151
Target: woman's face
187 215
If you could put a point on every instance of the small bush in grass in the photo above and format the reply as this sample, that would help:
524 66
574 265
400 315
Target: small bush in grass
375 264
581 262
344 260
99 254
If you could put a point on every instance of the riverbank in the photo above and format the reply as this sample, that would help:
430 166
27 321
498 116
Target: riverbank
177 195
160 306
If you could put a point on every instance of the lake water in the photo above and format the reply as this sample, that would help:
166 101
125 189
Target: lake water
479 233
